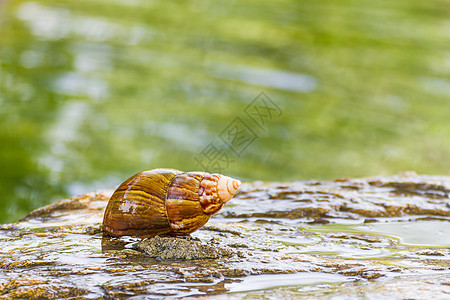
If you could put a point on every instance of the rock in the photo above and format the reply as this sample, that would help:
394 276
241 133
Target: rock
180 248
344 238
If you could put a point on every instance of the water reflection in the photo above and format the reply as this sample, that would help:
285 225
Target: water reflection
54 23
279 79
93 91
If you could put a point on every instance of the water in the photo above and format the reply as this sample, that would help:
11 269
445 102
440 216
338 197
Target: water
409 233
92 92
419 233
263 282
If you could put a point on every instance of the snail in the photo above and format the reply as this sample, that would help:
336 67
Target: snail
166 202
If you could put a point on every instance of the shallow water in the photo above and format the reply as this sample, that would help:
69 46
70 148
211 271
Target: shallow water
419 233
92 92
265 282
416 233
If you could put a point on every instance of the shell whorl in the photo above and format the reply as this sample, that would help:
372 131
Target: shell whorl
216 190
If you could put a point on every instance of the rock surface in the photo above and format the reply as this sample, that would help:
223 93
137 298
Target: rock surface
182 248
372 237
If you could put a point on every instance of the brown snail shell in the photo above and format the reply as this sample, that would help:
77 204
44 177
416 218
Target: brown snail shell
166 202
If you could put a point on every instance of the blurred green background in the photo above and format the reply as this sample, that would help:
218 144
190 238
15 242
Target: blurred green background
94 91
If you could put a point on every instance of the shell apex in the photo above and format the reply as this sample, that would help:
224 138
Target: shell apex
226 187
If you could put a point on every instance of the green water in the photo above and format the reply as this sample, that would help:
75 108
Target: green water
94 91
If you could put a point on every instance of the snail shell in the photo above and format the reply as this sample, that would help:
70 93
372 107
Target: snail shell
166 202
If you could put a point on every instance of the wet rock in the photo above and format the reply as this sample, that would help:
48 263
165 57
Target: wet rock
85 201
180 248
407 194
343 237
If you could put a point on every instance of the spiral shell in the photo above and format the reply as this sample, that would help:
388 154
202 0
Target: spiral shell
166 202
